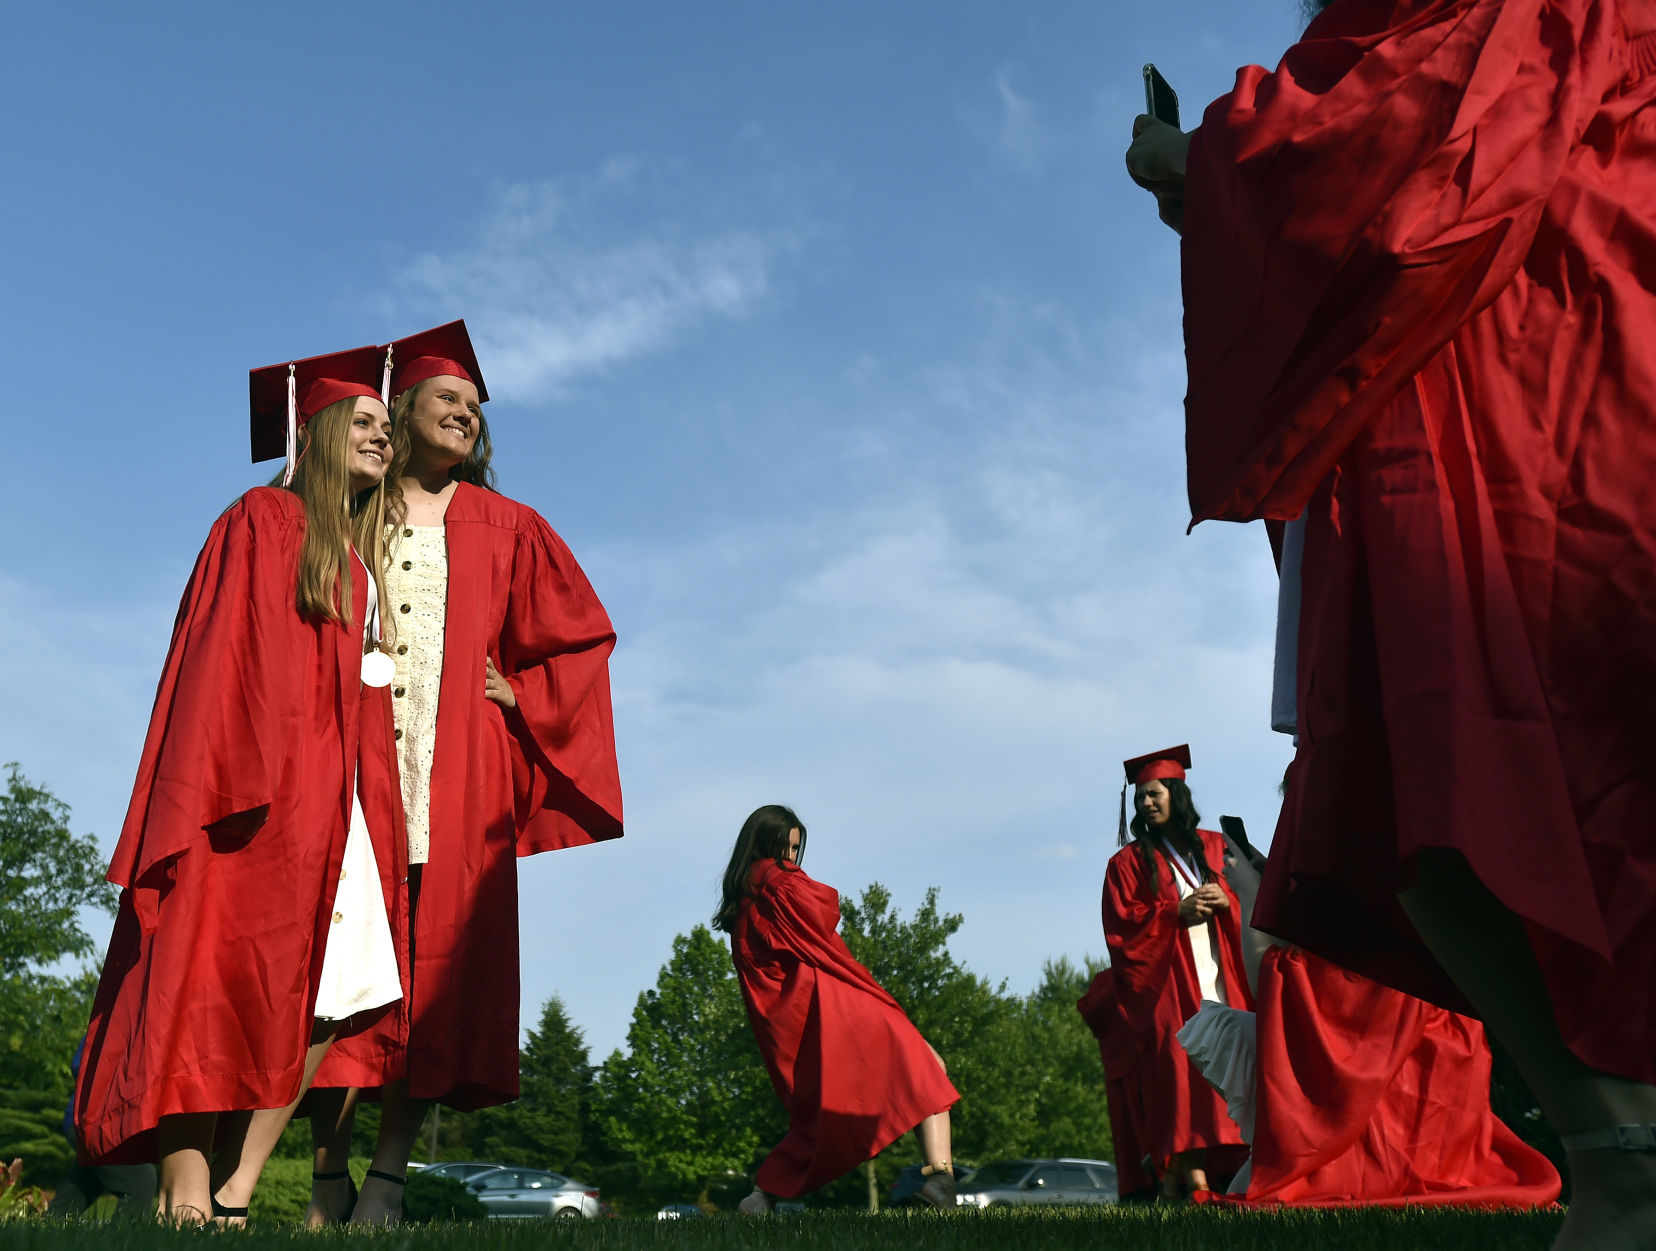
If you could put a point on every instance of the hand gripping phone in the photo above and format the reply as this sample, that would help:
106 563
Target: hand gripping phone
1160 100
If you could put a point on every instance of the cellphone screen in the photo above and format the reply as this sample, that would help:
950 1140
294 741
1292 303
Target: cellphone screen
1160 100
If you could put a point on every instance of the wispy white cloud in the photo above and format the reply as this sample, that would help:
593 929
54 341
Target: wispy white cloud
1010 121
567 277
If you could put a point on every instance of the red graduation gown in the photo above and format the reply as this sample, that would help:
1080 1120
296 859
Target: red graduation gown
1119 1050
229 857
852 1071
1175 1108
504 784
1420 308
1367 1095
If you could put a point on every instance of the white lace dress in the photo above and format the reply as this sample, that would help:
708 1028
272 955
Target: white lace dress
359 963
416 586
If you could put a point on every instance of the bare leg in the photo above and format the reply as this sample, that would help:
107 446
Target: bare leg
237 1166
333 1114
185 1192
1485 948
1191 1167
936 1145
400 1121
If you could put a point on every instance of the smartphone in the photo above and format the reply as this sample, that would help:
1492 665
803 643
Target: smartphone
1160 100
1238 834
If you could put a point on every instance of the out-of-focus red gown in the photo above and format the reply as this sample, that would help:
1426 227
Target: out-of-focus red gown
1420 308
1366 1095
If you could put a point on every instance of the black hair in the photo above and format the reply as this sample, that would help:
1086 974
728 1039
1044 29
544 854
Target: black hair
1179 832
764 836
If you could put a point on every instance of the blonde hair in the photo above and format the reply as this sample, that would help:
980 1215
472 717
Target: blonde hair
335 520
475 469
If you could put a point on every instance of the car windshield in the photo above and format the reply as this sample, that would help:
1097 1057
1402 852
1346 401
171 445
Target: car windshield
1000 1173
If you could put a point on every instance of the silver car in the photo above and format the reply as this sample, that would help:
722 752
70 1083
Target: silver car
1051 1182
515 1193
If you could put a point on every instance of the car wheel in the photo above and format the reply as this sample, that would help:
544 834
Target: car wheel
568 1213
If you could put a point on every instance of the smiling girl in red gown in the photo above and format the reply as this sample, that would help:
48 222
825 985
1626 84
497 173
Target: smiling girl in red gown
266 778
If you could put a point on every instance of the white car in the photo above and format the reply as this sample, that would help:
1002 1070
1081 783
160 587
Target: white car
518 1193
1043 1182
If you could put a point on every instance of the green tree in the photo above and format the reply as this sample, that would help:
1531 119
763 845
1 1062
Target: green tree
975 1026
688 1105
48 874
544 1127
1064 1081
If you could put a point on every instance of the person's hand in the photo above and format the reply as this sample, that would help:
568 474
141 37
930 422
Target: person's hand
1156 161
1198 907
496 687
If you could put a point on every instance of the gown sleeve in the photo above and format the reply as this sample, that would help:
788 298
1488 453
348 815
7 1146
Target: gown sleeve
219 732
1142 937
796 914
554 650
1346 214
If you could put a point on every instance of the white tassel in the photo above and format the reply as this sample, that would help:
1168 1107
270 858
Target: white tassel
385 378
292 427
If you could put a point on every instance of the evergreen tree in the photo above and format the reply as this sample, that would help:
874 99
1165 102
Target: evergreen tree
688 1105
545 1126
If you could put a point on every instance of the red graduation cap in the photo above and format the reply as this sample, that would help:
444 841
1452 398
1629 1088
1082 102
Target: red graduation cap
284 397
442 351
1170 762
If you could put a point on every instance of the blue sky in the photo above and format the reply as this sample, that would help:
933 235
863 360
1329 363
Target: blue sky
833 339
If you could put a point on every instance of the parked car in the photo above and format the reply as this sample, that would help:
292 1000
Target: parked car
460 1170
677 1211
524 1192
1048 1182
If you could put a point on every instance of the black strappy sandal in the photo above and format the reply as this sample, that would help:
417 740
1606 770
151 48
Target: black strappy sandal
395 1181
219 1210
343 1175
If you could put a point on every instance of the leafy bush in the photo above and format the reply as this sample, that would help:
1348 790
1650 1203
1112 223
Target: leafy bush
284 1189
31 1126
429 1199
16 1199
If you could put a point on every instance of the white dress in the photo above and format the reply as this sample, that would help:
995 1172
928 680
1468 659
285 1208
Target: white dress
416 591
359 965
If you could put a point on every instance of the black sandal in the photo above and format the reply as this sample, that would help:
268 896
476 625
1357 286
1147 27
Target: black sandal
395 1181
219 1210
343 1175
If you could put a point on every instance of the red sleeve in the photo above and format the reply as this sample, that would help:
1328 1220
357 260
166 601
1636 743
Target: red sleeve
554 649
220 727
794 913
1345 215
1141 930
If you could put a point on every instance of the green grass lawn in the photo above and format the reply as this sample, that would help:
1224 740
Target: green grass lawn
1140 1229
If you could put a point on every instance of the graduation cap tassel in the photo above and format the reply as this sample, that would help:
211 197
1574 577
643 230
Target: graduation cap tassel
1121 830
385 377
292 427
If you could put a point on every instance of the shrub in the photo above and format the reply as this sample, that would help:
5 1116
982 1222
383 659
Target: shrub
429 1199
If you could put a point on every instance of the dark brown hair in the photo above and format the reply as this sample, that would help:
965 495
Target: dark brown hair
764 836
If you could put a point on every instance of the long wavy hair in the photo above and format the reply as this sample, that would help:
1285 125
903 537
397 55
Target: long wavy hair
1179 832
764 836
477 468
335 519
